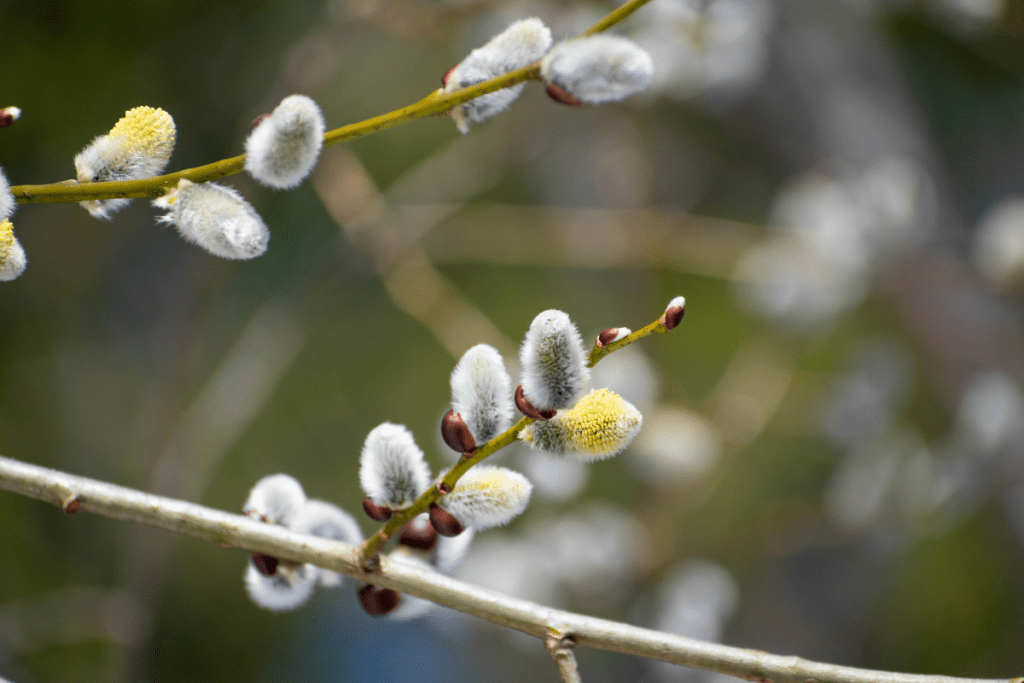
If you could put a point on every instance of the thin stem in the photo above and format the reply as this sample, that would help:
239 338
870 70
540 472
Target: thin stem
560 649
229 530
70 191
375 543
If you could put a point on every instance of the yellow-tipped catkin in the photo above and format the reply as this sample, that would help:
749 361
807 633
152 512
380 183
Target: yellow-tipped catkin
599 426
487 496
12 256
138 146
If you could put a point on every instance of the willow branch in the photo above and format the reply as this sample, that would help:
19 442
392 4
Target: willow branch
80 494
438 102
375 543
560 649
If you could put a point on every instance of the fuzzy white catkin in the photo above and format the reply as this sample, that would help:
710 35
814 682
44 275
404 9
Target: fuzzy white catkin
275 499
482 393
216 218
392 471
326 520
289 588
138 146
7 201
284 147
487 496
599 68
554 362
523 42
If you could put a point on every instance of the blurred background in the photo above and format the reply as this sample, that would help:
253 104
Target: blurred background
832 457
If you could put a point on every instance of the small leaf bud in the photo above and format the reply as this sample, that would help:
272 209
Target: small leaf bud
138 146
673 314
216 218
554 362
486 496
612 334
9 115
598 68
601 425
282 149
377 601
444 522
392 470
456 434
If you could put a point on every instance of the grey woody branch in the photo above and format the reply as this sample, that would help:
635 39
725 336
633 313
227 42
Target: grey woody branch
79 494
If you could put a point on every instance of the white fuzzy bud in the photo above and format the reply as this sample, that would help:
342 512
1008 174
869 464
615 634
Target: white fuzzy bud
601 425
9 115
7 201
598 68
554 362
275 499
12 257
138 146
451 550
392 471
487 496
283 148
523 42
326 520
215 218
288 589
482 393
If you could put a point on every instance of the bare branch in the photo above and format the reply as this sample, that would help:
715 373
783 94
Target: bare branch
229 530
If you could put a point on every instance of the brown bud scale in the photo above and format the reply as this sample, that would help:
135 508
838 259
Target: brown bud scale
456 434
265 564
71 505
444 77
562 96
527 409
376 512
444 522
257 121
672 317
6 119
377 601
424 538
607 336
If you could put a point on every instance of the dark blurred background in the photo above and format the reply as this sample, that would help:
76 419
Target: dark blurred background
832 457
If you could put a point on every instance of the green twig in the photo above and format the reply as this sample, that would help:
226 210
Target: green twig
70 191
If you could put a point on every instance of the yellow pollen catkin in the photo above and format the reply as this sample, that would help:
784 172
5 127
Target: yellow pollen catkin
148 131
6 240
600 425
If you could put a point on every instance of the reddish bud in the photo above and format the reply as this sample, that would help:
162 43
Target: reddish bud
444 77
257 121
444 488
672 317
562 96
265 564
420 537
71 505
377 601
6 118
527 409
456 434
608 336
376 512
444 522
